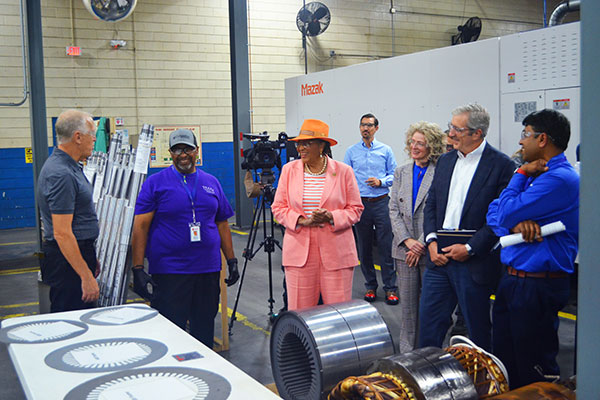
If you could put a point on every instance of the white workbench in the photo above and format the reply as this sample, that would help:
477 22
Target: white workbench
135 360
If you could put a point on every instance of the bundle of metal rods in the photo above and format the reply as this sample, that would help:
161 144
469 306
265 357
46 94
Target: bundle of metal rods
117 179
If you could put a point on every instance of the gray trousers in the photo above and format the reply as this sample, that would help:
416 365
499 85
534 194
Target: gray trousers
409 291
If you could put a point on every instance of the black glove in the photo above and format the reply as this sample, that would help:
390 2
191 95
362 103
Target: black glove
234 274
140 283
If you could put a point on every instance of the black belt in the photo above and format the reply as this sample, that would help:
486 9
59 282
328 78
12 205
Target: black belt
525 274
373 199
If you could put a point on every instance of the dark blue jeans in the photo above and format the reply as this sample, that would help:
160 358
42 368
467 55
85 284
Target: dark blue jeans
442 288
376 214
526 326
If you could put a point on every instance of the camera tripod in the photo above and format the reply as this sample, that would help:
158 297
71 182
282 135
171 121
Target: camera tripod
268 243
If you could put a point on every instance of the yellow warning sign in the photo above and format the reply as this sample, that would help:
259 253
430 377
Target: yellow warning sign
28 155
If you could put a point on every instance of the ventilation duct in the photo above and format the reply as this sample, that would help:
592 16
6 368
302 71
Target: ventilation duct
560 12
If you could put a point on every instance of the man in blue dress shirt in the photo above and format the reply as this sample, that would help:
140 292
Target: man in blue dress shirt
373 163
536 285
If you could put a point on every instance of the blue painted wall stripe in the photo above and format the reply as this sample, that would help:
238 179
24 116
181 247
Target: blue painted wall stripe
16 181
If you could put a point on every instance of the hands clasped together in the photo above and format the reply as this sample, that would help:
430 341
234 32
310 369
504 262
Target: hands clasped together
457 252
416 249
319 217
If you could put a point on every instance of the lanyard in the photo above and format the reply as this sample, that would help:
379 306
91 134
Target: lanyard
191 194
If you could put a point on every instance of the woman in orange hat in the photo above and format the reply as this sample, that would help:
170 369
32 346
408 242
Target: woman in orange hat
318 201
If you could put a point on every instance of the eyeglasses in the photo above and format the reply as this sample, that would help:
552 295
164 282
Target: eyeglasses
304 143
457 129
525 134
368 125
417 144
91 133
178 150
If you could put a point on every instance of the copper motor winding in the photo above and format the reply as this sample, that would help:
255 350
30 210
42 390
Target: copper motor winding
377 386
486 371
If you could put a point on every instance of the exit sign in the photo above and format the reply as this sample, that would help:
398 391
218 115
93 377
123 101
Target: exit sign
73 51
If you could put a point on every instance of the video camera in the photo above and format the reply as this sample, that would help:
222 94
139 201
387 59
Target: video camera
265 153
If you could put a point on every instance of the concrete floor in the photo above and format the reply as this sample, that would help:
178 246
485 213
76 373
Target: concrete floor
249 343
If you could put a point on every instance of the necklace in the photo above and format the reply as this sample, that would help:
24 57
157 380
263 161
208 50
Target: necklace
308 171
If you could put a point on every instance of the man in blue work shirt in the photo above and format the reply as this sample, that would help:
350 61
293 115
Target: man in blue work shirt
536 284
374 164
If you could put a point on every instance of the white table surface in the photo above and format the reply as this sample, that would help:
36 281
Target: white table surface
40 381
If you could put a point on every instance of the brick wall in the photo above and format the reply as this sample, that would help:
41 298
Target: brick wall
175 66
17 193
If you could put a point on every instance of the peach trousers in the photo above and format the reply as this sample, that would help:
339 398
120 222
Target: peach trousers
304 284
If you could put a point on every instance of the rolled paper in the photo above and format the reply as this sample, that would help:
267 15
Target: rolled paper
516 238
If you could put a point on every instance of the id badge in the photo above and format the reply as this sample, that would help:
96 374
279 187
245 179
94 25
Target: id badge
195 232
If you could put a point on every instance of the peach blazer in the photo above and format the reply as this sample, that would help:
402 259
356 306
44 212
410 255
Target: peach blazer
340 196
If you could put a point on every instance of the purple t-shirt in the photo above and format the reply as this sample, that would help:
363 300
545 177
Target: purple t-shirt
169 249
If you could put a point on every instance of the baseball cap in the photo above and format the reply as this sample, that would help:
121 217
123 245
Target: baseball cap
182 136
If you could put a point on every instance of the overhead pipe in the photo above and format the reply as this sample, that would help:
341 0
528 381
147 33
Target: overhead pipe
558 15
392 12
20 102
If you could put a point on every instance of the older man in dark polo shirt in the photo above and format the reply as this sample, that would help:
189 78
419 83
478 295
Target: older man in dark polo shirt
70 224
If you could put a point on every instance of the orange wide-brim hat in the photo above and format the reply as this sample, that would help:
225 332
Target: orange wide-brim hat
314 129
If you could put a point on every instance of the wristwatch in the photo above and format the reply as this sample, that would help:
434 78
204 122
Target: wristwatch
469 250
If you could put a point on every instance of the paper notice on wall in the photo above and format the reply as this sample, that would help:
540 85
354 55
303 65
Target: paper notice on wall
158 388
108 354
35 333
161 157
523 109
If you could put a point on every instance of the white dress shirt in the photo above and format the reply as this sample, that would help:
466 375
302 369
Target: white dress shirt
463 173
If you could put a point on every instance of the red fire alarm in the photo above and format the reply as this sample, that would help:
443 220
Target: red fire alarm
73 51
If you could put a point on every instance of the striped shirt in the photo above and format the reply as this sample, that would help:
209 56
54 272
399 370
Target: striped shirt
313 190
